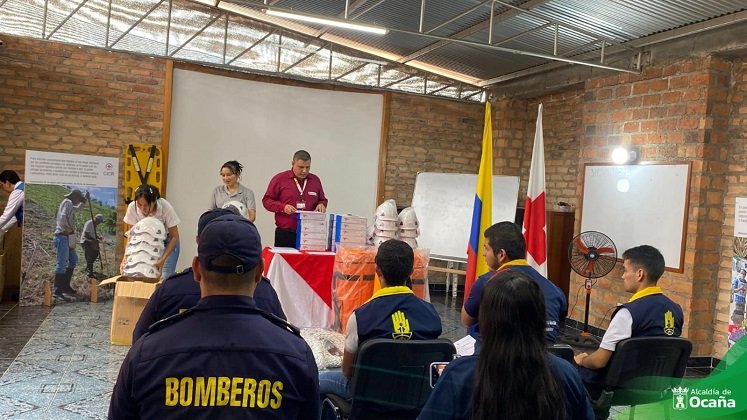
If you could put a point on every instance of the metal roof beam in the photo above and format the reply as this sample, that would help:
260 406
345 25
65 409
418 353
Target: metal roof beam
636 43
124 34
571 27
520 52
468 31
66 18
254 44
303 59
196 34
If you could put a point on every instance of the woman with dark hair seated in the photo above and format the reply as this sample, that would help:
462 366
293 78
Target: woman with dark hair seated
514 377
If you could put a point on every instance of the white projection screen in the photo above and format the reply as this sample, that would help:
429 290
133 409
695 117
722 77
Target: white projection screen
215 119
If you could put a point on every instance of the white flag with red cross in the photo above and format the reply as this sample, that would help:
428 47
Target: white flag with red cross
535 225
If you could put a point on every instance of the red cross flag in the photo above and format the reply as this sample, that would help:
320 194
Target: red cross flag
535 226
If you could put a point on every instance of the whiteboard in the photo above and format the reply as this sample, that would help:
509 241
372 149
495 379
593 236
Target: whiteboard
215 119
639 205
444 204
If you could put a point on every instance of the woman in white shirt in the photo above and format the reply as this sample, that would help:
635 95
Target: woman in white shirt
148 202
232 190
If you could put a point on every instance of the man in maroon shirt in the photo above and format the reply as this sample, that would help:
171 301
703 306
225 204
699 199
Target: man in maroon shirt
291 191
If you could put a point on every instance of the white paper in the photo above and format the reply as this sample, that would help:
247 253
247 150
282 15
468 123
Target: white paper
465 346
285 250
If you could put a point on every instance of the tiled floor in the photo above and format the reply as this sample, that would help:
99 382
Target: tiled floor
57 363
67 368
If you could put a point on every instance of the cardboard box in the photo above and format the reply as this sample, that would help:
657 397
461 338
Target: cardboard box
313 215
130 297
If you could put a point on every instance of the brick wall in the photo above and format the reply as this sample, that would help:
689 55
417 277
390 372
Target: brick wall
676 112
62 98
430 135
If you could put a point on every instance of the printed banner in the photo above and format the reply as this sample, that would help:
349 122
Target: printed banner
737 327
70 222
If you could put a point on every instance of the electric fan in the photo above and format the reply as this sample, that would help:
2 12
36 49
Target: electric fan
592 255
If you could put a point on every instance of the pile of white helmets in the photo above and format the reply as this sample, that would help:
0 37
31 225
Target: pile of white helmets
145 247
385 223
409 228
388 225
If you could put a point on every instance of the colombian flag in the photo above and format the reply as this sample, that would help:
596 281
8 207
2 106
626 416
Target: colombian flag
483 209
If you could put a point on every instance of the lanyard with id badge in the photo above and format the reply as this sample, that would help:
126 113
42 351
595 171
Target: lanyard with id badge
300 205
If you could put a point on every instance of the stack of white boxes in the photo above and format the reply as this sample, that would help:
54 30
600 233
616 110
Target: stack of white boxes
348 230
311 231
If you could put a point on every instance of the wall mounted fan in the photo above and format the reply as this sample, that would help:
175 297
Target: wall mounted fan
592 255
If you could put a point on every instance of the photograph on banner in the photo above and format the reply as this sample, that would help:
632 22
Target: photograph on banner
70 225
738 297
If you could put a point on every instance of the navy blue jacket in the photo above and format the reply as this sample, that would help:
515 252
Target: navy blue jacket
180 292
452 396
556 305
396 313
224 358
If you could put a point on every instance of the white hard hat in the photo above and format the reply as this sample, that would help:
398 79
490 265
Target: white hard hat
142 257
409 233
236 206
385 224
136 238
152 226
140 270
408 219
386 210
378 240
389 234
411 241
155 250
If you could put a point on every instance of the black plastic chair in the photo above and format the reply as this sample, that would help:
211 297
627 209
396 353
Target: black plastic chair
564 351
643 370
391 379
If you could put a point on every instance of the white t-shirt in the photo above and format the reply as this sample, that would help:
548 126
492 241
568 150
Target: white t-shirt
351 339
164 212
620 328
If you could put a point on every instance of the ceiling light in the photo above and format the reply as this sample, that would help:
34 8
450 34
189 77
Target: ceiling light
338 23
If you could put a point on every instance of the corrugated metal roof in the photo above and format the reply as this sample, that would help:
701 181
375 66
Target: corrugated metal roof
453 42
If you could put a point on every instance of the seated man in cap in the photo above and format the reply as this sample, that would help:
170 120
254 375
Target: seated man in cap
181 292
378 318
224 358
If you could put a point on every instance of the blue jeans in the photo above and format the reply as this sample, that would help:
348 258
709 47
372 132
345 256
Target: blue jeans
66 256
333 382
169 267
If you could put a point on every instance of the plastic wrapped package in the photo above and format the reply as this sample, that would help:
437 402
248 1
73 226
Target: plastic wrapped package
327 346
352 281
419 276
420 273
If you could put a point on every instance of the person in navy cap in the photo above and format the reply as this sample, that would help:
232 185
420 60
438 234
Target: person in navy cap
181 292
224 358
